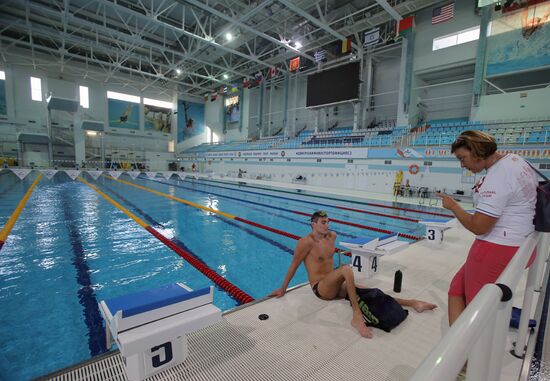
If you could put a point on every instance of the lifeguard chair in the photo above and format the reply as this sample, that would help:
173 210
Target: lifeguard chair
150 327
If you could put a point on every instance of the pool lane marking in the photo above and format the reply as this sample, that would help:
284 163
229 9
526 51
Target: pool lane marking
153 222
86 294
271 206
227 286
205 208
236 218
332 198
15 215
314 203
380 230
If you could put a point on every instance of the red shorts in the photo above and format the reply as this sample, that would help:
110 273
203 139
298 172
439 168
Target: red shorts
485 262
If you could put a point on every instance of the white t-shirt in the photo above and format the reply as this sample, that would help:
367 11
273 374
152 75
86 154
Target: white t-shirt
508 192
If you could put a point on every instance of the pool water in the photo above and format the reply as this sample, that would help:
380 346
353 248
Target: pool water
71 248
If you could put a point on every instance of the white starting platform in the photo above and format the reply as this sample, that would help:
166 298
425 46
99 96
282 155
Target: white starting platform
435 229
365 253
150 327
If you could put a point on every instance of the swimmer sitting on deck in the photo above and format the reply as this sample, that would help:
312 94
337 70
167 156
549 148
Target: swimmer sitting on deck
316 250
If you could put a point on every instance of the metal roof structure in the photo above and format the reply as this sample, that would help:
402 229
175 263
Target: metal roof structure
182 45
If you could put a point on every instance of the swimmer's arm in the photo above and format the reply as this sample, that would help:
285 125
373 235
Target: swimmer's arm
300 253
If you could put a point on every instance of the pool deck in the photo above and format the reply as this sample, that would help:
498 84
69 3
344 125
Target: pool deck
306 338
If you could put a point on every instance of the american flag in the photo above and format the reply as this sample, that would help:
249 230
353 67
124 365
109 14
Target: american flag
443 13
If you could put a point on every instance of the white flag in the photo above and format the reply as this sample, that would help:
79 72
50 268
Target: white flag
21 172
372 37
95 174
133 174
114 174
49 173
73 173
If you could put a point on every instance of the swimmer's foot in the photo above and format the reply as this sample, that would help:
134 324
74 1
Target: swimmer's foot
359 324
420 306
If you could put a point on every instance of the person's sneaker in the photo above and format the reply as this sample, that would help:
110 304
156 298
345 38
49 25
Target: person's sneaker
461 376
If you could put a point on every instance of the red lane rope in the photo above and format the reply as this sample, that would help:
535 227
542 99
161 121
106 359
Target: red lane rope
378 214
407 209
367 227
281 232
290 235
230 288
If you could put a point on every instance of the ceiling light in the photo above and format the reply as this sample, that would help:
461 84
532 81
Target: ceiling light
297 44
178 71
228 36
225 76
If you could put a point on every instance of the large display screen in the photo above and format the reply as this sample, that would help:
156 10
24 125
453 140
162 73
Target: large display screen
334 85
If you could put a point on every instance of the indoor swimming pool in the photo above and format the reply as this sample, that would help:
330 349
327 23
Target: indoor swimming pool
71 248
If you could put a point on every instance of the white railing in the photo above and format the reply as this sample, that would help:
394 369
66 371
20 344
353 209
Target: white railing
479 334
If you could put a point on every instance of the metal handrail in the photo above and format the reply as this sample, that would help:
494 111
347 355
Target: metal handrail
479 334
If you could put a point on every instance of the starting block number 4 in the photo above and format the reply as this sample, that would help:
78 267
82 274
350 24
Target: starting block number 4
364 266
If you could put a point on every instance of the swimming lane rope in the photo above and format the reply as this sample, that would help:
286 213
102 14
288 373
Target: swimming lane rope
224 284
15 215
337 206
277 231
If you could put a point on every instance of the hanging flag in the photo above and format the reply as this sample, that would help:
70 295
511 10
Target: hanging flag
294 64
234 88
272 72
95 174
443 13
320 55
49 173
258 77
224 89
134 174
372 37
245 83
213 97
346 45
510 6
405 26
73 173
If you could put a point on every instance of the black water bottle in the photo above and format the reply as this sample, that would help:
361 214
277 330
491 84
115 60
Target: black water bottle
397 281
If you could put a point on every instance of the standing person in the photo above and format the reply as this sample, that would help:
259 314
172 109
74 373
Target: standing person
316 250
504 202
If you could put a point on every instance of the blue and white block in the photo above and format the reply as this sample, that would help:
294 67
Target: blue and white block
150 327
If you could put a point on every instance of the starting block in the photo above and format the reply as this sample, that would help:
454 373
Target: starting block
365 253
435 229
150 327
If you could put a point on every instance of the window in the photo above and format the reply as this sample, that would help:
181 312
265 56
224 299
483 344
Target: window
154 102
123 97
2 75
461 37
211 136
36 89
171 145
84 97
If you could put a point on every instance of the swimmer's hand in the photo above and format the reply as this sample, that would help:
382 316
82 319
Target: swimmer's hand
278 292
